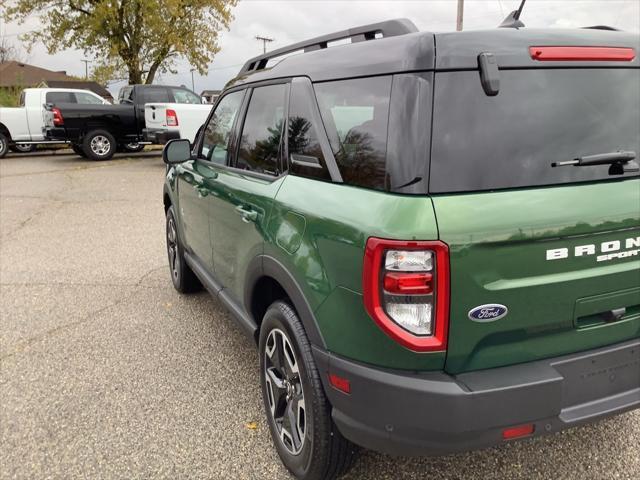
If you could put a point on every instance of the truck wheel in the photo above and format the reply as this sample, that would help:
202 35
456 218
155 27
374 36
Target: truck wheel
99 145
4 144
183 278
21 148
298 411
77 148
131 147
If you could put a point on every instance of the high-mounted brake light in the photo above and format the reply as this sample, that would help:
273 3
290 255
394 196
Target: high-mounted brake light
406 291
58 121
595 54
172 118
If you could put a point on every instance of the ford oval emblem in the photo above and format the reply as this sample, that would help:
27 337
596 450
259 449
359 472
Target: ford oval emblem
488 313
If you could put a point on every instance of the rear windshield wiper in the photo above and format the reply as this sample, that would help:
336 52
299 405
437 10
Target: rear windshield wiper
620 162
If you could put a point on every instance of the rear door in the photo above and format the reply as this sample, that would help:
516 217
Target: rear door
243 192
544 260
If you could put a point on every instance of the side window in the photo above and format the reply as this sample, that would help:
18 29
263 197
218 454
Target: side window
305 153
180 95
217 133
60 97
126 95
87 98
260 140
154 95
355 114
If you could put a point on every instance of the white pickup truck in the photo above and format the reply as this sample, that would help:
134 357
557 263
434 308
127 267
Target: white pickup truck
21 127
166 121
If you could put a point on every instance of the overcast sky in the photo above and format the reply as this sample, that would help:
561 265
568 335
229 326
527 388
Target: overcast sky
295 20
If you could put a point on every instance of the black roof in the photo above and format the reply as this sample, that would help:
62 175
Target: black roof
410 50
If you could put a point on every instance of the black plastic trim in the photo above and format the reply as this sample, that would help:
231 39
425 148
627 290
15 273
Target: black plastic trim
409 413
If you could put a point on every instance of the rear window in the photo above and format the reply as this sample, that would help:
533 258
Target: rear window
154 95
180 95
539 117
60 97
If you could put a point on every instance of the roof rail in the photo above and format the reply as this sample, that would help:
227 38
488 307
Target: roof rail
390 28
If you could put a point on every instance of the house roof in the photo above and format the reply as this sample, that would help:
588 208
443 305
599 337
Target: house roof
84 85
210 92
20 74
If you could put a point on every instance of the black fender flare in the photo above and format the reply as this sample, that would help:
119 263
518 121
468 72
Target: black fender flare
267 266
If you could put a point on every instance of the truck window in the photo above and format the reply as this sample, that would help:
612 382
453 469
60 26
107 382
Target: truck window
88 99
355 115
60 97
539 117
153 95
262 130
180 95
217 133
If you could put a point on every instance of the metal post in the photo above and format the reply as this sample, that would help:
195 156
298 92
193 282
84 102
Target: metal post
460 15
86 69
264 41
193 84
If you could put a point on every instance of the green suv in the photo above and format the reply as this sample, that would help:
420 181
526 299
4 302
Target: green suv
434 239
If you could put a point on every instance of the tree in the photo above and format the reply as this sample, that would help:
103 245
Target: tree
8 51
138 38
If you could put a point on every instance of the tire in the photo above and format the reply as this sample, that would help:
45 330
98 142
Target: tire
24 148
313 449
131 147
183 278
99 145
78 150
4 144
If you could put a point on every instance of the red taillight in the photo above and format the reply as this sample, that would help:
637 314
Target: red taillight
406 291
518 432
602 54
408 283
172 118
340 383
57 117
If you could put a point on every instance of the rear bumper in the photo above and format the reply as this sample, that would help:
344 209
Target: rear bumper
55 133
435 413
159 136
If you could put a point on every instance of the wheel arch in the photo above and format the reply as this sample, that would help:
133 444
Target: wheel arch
268 280
5 131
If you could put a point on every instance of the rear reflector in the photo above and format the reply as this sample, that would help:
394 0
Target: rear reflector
340 383
418 283
595 54
518 432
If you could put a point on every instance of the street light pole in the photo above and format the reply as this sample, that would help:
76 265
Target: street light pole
193 84
460 15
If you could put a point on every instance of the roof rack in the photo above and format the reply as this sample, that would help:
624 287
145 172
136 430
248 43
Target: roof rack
390 28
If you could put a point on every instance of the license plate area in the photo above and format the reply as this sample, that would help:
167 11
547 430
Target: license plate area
598 375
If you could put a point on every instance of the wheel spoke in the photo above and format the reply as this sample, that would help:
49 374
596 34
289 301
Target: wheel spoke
293 428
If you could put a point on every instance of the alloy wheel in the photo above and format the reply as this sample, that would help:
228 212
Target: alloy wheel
172 248
100 145
285 394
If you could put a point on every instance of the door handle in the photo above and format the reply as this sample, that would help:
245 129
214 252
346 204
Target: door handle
247 214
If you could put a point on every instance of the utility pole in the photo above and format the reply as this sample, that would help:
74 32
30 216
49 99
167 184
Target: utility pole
193 84
264 41
86 69
460 15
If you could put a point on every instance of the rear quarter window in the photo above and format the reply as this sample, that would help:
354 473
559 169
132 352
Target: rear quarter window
539 117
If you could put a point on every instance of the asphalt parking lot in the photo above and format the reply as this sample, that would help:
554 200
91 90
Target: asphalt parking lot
107 372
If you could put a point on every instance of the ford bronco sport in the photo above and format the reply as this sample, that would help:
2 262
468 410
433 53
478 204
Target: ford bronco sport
434 239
